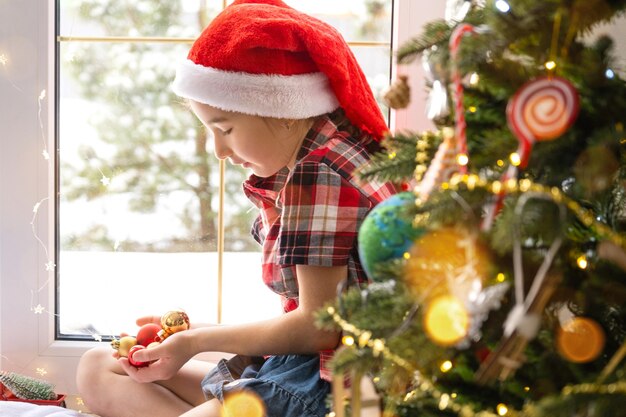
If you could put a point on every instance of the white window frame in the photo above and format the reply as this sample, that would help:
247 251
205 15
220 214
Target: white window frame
27 39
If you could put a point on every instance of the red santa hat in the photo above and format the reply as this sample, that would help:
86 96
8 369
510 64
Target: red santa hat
264 58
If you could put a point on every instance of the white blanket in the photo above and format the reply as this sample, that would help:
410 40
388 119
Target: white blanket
20 409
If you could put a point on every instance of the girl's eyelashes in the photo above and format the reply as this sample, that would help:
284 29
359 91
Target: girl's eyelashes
226 132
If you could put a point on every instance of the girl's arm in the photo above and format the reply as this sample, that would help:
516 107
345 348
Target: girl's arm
290 333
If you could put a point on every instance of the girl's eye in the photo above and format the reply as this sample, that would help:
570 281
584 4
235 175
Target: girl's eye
226 132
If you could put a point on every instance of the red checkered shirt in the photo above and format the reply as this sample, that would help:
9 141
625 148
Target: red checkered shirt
311 215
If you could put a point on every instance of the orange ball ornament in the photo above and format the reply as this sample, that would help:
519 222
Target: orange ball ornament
580 340
173 322
446 261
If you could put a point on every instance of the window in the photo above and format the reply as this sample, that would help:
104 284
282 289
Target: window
31 120
139 218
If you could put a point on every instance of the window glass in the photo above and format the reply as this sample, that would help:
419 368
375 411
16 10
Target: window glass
138 185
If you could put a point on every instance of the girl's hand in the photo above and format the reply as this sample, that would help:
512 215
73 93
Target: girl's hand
165 359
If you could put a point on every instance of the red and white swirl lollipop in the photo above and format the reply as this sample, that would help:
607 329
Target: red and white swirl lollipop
542 109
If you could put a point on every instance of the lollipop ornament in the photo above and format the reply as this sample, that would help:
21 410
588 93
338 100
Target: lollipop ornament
541 110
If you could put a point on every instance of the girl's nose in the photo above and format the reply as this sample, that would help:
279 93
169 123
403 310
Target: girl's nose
221 150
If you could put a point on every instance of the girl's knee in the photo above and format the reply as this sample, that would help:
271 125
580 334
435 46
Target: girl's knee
93 365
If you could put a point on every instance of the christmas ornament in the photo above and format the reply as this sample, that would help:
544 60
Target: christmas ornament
459 109
173 322
148 333
447 261
446 320
436 75
542 109
580 340
442 166
398 94
387 232
123 345
134 362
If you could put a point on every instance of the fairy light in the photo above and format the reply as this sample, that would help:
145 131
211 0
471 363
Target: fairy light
503 6
527 389
106 181
41 371
500 163
474 78
515 159
609 73
347 340
472 109
392 155
3 60
582 262
38 309
502 409
500 277
550 65
445 366
406 255
462 159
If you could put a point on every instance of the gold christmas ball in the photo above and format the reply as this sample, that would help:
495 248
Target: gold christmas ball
125 344
174 321
447 261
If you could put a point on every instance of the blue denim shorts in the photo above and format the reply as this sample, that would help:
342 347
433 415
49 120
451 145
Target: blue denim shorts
290 385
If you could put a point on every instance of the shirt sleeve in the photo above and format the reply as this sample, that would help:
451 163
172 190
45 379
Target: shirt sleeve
321 216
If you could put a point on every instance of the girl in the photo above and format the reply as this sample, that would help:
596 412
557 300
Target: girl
282 95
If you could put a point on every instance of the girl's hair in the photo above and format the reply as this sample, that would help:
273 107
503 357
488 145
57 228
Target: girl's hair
338 117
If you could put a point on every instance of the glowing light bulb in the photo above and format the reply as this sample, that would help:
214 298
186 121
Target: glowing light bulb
515 159
500 277
472 109
445 366
500 163
502 409
609 73
3 59
392 155
503 6
347 340
474 78
462 159
582 262
550 65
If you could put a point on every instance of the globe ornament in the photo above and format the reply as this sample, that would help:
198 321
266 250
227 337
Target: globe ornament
447 261
387 233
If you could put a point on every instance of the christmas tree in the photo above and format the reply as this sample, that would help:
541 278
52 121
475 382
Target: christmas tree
499 275
25 387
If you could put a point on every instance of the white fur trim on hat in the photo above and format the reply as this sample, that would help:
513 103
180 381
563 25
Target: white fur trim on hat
269 95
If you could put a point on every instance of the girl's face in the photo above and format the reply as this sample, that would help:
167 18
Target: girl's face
262 145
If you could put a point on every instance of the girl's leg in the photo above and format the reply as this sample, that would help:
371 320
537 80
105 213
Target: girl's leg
109 392
211 408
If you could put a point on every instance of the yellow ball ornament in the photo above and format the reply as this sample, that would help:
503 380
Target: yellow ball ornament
446 261
580 340
243 404
446 320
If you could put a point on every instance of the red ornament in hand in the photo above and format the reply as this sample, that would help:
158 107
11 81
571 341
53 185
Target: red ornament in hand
148 334
134 362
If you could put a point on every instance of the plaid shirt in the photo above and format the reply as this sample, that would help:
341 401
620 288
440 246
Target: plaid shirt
311 215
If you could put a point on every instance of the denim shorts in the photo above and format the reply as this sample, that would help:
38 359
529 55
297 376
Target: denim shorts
290 385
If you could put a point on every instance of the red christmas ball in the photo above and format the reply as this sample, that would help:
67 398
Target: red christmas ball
132 361
148 334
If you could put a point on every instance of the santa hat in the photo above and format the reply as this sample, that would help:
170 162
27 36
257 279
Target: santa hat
264 58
